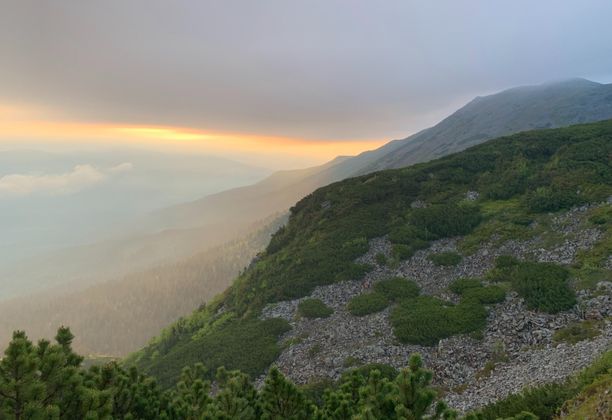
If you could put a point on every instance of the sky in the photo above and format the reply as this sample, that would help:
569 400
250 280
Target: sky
275 83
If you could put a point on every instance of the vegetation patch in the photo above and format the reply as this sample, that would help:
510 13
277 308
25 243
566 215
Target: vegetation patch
402 252
549 199
577 331
544 286
249 346
397 288
385 371
471 288
486 295
462 284
381 259
446 259
314 308
426 320
367 303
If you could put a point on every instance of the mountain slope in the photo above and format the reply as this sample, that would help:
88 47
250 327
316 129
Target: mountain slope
511 111
522 108
345 239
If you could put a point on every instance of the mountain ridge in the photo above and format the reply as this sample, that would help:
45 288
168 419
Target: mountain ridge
540 198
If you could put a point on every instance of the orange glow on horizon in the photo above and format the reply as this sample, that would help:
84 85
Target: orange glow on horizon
17 123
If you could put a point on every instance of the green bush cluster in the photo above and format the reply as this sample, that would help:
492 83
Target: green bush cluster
547 199
397 288
402 252
247 345
426 320
381 259
544 286
386 371
445 220
473 289
577 331
367 303
463 283
485 295
506 261
445 259
314 308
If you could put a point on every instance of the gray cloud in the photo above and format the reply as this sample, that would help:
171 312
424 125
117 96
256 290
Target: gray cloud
322 68
80 178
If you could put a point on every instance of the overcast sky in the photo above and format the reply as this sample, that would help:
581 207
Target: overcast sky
316 69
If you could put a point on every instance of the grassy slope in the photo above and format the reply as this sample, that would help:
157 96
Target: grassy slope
517 176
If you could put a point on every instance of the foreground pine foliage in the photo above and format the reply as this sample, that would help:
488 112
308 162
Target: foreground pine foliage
46 381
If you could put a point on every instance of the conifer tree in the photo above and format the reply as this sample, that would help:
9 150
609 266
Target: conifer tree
282 400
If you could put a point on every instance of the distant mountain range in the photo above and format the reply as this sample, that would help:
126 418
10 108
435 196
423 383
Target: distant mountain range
523 108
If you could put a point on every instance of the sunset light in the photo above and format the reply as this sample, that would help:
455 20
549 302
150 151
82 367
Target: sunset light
17 124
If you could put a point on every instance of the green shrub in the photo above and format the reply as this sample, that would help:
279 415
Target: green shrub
314 308
545 199
402 252
485 295
445 258
386 371
543 286
426 320
444 220
381 259
575 332
367 303
397 288
316 387
407 234
505 261
247 345
543 401
464 283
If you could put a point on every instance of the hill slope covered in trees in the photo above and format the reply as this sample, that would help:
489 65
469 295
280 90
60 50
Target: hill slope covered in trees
503 191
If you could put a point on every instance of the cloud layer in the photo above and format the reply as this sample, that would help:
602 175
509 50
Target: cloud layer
311 69
80 178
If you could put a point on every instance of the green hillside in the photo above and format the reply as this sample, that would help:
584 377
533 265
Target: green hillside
519 178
